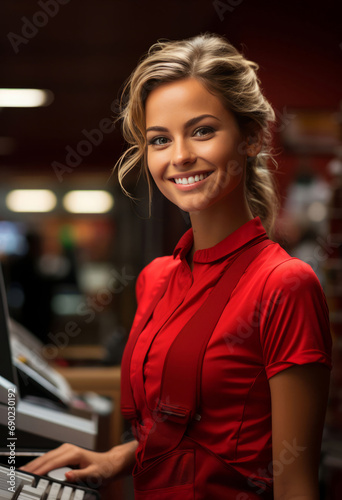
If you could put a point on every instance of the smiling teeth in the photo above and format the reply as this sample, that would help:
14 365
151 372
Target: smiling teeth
191 180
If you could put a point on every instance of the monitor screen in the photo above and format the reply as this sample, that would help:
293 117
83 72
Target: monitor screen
33 419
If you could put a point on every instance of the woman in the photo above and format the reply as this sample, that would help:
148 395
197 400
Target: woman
226 372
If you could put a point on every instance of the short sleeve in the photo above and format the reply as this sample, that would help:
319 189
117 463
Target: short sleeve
294 318
147 282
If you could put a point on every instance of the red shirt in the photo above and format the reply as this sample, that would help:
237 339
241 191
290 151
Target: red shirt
280 319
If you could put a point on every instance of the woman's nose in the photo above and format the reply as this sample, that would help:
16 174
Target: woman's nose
182 154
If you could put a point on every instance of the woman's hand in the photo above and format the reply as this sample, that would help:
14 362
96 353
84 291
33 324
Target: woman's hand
94 466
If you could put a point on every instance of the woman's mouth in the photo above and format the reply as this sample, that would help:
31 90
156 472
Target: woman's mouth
192 179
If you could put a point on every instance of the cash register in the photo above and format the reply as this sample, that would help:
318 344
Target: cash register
28 428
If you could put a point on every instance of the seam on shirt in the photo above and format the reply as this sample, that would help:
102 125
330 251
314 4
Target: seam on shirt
243 412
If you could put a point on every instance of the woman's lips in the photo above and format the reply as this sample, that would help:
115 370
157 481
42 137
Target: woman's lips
188 182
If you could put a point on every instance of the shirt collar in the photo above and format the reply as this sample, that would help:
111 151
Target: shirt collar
249 231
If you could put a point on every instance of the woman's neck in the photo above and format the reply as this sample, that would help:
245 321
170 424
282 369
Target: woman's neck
214 224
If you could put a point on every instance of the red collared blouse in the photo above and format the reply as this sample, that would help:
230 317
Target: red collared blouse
280 319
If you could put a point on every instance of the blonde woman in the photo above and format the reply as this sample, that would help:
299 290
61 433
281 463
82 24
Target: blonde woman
225 375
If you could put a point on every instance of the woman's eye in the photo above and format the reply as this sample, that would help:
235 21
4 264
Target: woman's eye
203 131
158 141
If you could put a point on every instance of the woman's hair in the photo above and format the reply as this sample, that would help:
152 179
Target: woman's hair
224 72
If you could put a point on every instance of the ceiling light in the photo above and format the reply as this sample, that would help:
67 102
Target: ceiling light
25 98
31 200
88 202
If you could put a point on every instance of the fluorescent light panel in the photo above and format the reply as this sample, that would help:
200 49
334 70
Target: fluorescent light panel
31 200
25 98
88 201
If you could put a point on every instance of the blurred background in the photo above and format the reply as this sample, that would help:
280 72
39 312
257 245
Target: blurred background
70 256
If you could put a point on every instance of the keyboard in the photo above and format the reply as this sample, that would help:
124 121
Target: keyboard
27 486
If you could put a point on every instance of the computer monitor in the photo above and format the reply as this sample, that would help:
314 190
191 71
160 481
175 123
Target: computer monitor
54 424
6 366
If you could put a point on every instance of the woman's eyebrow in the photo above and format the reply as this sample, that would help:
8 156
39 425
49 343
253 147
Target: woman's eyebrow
197 119
188 124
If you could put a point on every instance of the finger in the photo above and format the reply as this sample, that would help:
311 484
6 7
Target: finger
55 463
95 474
82 474
52 460
37 462
89 476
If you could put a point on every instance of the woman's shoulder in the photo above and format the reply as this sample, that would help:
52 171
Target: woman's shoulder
283 271
153 273
158 266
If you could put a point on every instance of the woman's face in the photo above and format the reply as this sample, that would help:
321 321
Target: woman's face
194 146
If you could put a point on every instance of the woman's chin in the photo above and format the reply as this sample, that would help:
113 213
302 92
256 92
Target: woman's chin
193 207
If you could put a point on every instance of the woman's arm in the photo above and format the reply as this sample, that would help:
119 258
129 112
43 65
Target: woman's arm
299 399
100 466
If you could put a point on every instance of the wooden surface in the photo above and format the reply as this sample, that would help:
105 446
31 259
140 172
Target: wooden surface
104 381
83 352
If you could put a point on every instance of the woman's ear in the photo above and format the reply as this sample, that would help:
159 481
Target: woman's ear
254 141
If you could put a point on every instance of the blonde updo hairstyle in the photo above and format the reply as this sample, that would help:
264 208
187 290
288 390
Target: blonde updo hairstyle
224 72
